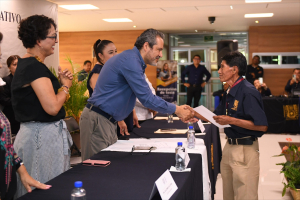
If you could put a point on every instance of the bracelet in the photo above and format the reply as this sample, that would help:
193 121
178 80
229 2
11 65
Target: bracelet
65 86
67 93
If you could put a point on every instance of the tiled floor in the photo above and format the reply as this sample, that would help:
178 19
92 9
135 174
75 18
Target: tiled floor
270 183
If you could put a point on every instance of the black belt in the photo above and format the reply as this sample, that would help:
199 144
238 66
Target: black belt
194 85
241 141
101 112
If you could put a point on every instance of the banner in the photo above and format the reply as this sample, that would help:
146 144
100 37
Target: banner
167 80
11 14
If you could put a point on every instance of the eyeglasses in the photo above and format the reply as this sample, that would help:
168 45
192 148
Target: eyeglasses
52 37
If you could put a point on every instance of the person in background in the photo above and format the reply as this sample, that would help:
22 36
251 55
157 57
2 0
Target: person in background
241 108
43 142
165 73
254 71
262 88
142 112
5 94
11 163
86 70
195 82
293 83
120 82
220 93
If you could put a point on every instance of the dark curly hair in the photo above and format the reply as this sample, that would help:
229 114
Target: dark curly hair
236 58
149 36
33 28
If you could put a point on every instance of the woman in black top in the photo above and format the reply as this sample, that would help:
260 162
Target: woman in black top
37 98
5 96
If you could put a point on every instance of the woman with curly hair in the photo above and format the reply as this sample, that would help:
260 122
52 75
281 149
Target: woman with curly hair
43 141
10 163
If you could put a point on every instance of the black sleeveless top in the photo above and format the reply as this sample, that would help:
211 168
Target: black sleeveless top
26 104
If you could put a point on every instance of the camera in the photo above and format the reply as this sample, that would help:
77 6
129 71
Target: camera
211 19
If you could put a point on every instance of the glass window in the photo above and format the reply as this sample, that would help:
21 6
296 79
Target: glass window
198 52
213 55
270 60
181 56
290 59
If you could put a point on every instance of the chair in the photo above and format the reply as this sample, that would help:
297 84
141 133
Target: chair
73 127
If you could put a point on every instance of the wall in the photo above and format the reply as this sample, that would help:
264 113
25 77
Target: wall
274 39
79 45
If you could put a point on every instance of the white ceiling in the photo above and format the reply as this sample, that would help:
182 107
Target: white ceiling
175 15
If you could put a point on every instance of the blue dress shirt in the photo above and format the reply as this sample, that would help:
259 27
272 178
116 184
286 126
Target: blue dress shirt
120 82
195 74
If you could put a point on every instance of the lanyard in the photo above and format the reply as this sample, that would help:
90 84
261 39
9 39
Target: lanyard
237 82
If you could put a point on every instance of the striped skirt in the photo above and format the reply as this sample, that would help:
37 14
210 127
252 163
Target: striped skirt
44 148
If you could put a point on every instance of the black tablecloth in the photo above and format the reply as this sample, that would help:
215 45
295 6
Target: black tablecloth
127 177
282 114
211 140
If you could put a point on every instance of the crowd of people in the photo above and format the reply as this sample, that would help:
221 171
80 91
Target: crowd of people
120 96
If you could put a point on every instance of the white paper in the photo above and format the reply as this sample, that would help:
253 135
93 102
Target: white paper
201 126
209 116
187 159
166 185
173 169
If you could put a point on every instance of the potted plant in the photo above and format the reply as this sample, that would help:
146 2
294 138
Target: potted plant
291 169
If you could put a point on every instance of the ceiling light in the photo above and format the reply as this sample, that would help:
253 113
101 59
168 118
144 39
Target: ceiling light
256 21
231 7
196 31
259 15
118 20
79 7
261 1
134 26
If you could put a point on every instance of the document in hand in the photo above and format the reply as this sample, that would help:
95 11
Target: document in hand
209 116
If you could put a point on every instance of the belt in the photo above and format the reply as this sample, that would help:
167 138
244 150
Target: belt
241 141
101 112
194 85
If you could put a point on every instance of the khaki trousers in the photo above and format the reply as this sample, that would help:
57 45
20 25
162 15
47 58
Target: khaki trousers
96 133
240 171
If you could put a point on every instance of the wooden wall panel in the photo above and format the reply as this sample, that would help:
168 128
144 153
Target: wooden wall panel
151 74
78 45
274 39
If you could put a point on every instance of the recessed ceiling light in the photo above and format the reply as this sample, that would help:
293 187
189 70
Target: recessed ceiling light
118 20
79 7
261 1
256 21
134 26
259 15
231 7
196 31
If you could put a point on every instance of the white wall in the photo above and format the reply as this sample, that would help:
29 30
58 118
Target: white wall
11 12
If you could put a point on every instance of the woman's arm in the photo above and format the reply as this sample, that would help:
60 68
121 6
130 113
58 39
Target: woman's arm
93 80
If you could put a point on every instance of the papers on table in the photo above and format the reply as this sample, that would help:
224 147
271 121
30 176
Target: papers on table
209 116
174 131
165 118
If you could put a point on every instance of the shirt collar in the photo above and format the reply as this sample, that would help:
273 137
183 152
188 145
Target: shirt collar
233 90
135 50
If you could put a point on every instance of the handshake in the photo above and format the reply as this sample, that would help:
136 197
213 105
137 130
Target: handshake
185 113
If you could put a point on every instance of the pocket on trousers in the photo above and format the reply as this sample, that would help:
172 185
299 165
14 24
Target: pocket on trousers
238 155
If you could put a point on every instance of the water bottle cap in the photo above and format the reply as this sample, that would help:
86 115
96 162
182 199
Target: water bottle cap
191 127
78 184
179 143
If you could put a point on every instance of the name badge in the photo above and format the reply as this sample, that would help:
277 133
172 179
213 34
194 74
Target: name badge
201 126
165 185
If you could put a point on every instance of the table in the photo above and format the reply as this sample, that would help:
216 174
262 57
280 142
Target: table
282 114
127 177
211 140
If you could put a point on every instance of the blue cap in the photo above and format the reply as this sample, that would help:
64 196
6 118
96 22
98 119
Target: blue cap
78 184
191 127
179 143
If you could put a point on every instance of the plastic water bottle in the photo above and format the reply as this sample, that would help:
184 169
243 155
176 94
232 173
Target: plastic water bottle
191 137
190 124
78 193
180 157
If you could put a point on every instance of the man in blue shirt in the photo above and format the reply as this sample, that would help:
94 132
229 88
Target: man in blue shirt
120 82
241 108
195 82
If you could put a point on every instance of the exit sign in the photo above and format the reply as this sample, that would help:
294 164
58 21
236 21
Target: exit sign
208 38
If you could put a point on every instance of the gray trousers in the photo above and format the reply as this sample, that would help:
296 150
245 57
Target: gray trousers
96 133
